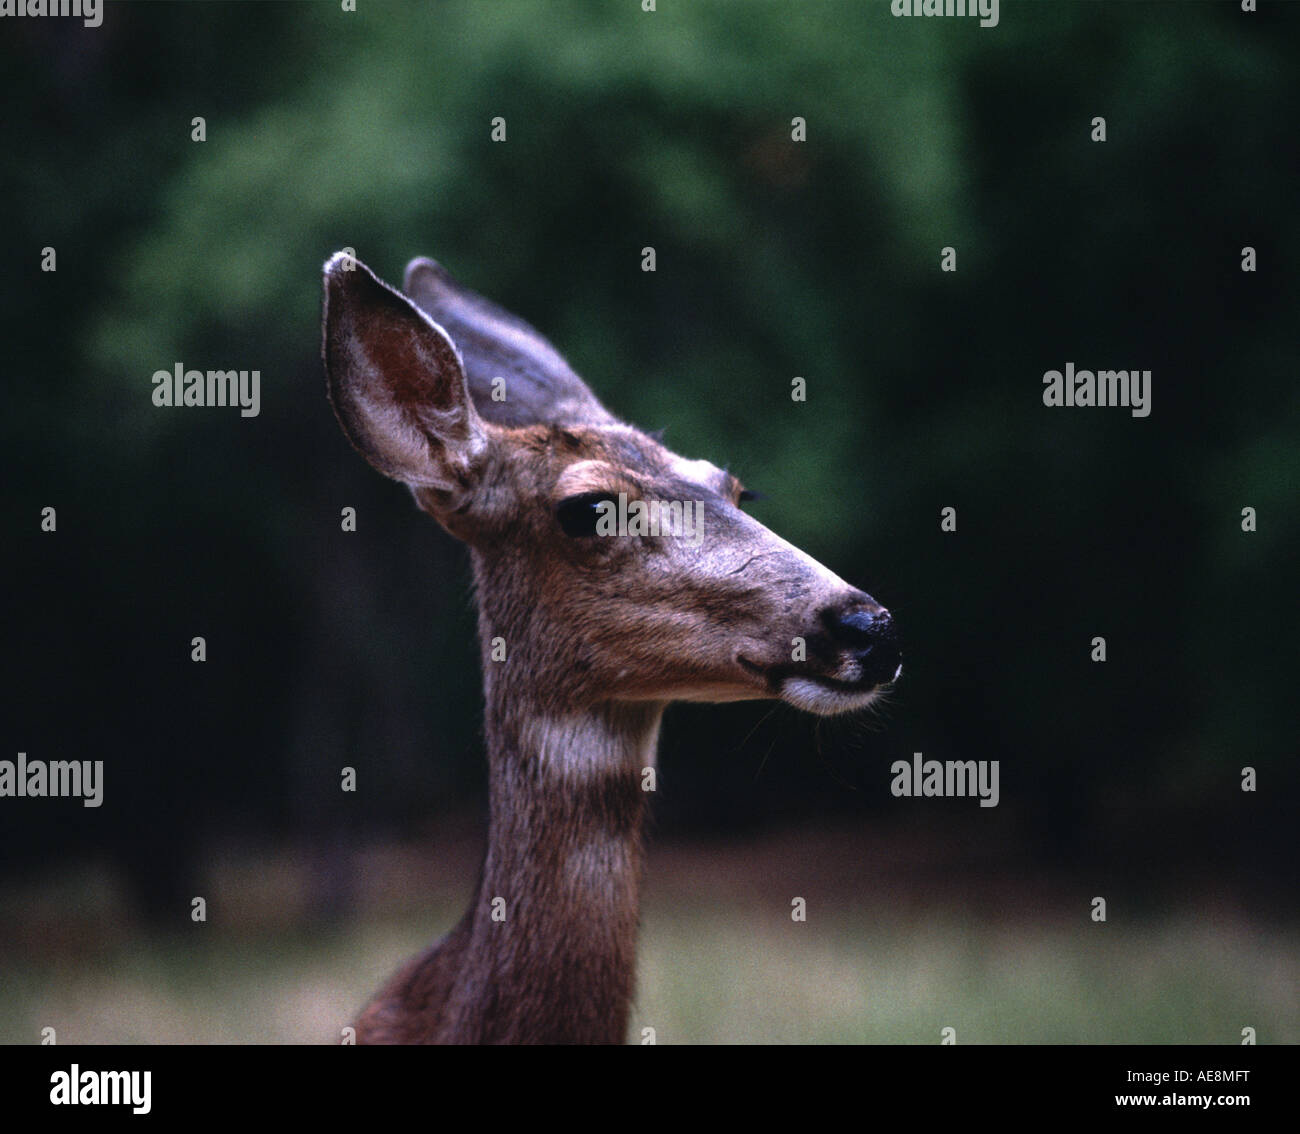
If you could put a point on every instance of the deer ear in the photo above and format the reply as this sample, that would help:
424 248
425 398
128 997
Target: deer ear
397 384
539 387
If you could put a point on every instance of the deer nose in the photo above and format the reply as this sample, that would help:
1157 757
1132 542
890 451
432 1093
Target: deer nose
866 630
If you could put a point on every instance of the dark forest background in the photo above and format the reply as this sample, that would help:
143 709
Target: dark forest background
775 258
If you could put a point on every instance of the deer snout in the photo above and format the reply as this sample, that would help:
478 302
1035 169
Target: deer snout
866 630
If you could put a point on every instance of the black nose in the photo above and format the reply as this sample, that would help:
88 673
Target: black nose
867 631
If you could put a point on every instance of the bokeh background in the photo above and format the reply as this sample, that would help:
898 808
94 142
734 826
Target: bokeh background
775 258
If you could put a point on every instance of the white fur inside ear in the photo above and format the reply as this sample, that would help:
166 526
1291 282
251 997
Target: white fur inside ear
400 448
399 382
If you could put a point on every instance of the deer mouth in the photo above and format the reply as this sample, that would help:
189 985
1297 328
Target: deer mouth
818 693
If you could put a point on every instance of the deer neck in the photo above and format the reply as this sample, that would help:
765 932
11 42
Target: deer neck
552 939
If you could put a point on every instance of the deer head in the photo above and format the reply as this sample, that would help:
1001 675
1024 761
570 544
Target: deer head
506 447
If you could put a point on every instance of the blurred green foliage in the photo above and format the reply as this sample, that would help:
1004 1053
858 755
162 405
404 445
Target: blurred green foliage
819 259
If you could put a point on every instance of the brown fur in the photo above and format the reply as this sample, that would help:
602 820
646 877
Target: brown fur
600 634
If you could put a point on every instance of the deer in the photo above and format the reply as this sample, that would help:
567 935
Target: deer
585 637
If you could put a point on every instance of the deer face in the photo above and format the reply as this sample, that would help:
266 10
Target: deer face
608 567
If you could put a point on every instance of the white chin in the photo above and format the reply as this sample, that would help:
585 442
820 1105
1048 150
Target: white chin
813 697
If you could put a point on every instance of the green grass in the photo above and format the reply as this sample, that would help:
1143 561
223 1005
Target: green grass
713 975
722 979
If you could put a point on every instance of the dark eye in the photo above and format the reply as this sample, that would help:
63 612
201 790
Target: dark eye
746 495
578 515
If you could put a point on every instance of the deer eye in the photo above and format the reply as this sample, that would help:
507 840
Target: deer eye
746 495
578 515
